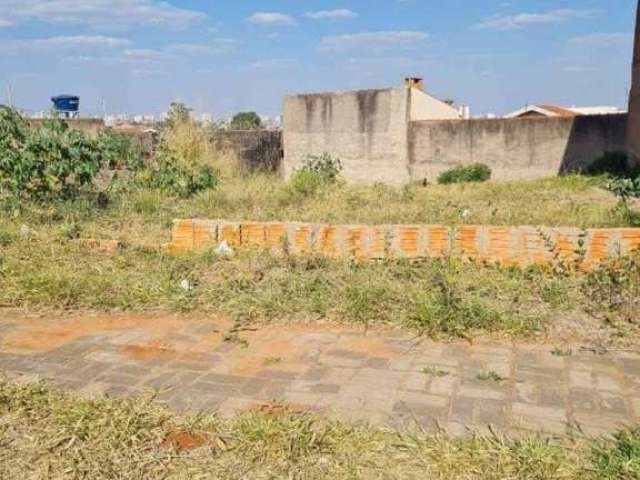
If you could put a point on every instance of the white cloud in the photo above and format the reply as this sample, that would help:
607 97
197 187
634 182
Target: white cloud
111 14
221 45
274 64
578 69
601 39
272 19
5 23
339 14
145 73
149 57
371 41
520 20
77 42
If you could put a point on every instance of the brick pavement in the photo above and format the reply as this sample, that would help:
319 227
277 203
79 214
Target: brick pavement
384 377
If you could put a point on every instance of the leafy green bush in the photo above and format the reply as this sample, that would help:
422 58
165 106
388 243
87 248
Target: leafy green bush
317 172
246 121
612 163
119 151
51 161
620 459
186 162
626 189
477 172
613 291
172 177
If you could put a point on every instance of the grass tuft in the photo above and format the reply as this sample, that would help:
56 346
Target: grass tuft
50 434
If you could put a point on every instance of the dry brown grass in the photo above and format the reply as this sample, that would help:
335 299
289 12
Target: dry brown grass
47 434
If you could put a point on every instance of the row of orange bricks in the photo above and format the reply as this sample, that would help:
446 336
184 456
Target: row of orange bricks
503 245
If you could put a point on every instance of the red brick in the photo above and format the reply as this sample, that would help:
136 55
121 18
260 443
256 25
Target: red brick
630 239
205 234
299 237
275 235
407 241
356 241
328 241
467 241
253 235
182 236
230 233
438 241
378 242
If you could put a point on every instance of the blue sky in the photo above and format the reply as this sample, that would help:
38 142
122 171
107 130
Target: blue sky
222 56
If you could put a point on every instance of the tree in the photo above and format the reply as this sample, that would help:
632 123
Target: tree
246 121
178 114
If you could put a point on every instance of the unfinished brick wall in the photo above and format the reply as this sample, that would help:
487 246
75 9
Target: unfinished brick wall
508 246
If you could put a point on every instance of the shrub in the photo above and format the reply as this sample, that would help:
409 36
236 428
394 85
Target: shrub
246 121
613 291
620 458
47 162
316 173
169 176
477 172
626 189
186 162
119 151
612 163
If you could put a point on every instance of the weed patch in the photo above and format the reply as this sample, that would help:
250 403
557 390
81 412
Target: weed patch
475 173
49 434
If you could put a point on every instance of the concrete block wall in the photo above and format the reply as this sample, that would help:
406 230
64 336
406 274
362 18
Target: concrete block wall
378 137
504 245
515 149
257 150
366 130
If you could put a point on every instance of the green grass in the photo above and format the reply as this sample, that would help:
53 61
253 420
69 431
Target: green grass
138 215
48 434
432 371
438 298
491 376
42 267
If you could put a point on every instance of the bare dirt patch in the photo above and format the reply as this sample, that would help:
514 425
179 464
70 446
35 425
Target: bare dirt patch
185 441
47 332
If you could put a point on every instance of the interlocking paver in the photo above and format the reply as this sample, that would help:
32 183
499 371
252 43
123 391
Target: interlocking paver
377 377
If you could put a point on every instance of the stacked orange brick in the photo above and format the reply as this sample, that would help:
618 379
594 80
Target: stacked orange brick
509 246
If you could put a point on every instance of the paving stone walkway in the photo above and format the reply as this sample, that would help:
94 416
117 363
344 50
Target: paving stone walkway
385 377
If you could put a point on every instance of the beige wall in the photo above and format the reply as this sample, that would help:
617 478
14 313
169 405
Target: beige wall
366 130
426 107
373 134
522 148
633 133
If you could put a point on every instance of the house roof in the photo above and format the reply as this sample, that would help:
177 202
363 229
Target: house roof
559 111
550 110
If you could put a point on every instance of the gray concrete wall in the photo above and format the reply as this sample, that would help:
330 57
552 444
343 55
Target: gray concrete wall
633 132
257 150
426 107
513 148
367 130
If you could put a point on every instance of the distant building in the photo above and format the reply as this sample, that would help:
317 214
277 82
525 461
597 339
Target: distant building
428 107
548 110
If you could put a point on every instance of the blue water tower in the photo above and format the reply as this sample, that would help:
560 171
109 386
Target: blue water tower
67 105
